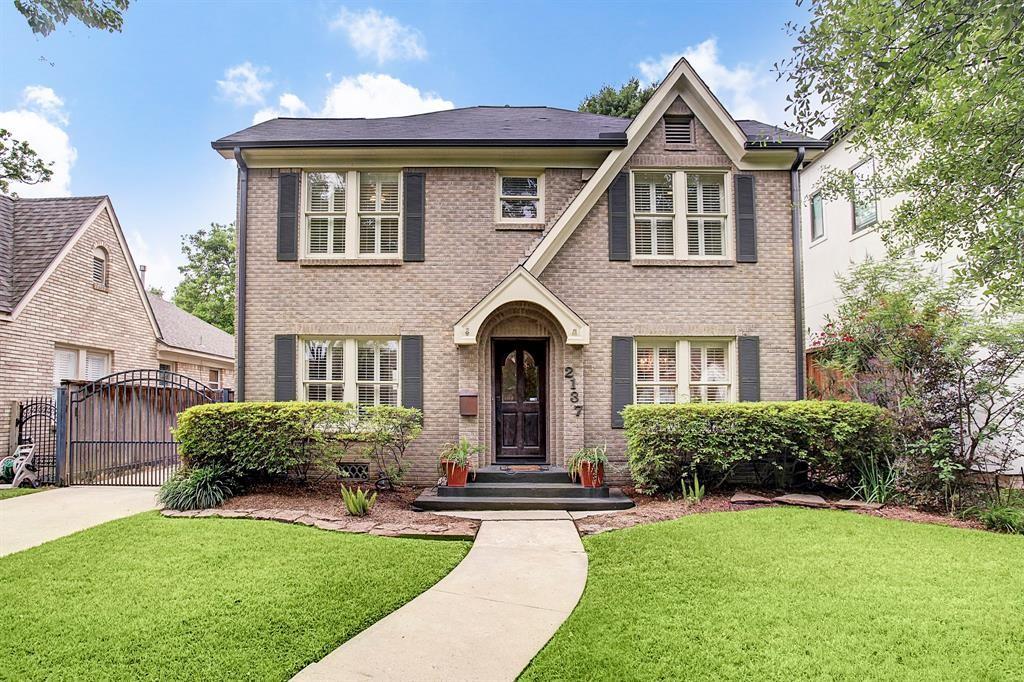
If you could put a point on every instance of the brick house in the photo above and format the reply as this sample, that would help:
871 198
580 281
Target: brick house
73 306
520 273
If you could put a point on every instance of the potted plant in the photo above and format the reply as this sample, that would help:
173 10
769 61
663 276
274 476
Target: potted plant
589 464
457 459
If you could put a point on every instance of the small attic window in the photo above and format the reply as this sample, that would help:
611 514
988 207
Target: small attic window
99 267
679 130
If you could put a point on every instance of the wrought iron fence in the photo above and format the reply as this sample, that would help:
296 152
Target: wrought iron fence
37 424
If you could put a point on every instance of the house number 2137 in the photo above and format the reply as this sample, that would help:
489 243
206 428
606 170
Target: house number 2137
574 395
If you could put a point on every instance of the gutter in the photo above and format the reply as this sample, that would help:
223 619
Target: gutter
243 214
604 140
798 273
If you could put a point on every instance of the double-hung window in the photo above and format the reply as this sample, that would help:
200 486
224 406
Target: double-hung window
361 371
378 213
707 377
865 203
78 364
352 214
666 228
520 198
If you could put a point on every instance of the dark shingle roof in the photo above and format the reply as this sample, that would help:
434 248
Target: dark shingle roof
35 230
184 330
471 126
765 134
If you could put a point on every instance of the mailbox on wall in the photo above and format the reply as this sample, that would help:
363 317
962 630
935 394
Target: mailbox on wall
467 403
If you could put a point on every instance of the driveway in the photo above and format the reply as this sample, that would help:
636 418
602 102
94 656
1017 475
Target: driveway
31 520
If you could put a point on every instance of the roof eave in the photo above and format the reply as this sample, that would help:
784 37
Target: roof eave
808 144
605 143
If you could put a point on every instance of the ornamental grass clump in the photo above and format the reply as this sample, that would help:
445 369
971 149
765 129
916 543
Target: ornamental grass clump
358 502
197 488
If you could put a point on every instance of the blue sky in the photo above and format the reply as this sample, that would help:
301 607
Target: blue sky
132 114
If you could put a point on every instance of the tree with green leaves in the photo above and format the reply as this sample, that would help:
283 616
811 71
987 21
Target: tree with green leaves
933 91
20 163
44 15
626 101
207 289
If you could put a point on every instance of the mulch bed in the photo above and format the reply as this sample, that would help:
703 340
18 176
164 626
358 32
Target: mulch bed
320 505
660 508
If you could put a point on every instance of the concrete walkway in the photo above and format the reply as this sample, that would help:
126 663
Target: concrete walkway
486 619
31 520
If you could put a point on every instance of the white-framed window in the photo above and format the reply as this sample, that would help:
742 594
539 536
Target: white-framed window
213 378
79 364
352 214
100 263
664 227
521 197
673 370
865 203
817 217
364 371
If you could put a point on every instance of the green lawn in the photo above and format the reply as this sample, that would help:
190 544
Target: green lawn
201 599
791 594
7 493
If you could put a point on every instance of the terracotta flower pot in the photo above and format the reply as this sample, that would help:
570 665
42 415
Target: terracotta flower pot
591 475
455 474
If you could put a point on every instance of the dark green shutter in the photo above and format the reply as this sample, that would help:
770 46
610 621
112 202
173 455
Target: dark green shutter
622 377
412 371
746 219
750 368
618 218
288 216
284 367
413 211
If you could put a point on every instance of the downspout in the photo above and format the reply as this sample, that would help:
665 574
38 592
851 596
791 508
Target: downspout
798 272
243 213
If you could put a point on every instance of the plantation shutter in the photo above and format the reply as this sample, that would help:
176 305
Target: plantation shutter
284 367
618 218
746 219
622 377
288 217
413 214
412 371
65 365
749 368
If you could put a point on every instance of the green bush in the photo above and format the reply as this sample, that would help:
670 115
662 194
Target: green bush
277 439
358 502
1003 511
199 488
666 442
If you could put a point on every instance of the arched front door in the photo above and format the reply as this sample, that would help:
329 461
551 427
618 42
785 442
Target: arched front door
519 399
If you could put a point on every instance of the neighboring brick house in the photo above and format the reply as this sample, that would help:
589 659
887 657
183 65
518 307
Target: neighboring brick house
72 304
193 347
467 262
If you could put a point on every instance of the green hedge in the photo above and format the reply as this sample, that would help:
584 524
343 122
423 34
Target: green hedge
279 438
667 441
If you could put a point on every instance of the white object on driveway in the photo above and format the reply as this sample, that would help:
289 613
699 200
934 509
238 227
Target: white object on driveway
485 620
31 520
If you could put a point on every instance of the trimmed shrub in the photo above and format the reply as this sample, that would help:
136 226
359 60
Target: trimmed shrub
199 488
831 438
279 439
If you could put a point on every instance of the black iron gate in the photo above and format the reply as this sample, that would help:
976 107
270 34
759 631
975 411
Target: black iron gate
119 429
37 424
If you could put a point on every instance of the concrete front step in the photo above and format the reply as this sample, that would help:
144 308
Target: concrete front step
522 474
430 500
477 489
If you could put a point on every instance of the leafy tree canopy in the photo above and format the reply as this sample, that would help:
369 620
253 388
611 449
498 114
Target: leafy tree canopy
20 163
44 15
626 101
207 289
933 90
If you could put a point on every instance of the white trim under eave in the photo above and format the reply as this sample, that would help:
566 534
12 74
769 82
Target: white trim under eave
521 287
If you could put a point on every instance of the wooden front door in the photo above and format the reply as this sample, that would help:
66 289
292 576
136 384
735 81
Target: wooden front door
519 396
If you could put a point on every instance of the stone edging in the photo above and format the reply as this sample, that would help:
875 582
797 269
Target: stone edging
465 530
799 500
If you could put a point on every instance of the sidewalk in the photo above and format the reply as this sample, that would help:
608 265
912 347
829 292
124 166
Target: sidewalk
485 620
31 520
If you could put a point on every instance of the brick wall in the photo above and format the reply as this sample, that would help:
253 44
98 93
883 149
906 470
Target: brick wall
68 310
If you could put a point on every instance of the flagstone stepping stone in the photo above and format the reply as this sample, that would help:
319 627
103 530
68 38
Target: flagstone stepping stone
749 498
857 504
800 500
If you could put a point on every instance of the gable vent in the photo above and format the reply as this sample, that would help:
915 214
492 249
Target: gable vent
679 130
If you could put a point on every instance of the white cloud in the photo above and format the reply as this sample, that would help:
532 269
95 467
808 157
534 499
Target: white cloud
368 95
40 121
746 91
288 104
243 84
379 36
